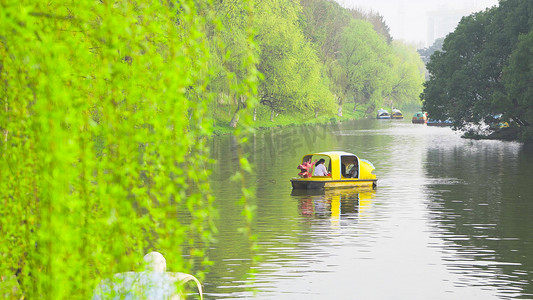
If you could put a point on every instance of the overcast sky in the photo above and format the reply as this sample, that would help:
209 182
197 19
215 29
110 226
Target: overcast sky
411 20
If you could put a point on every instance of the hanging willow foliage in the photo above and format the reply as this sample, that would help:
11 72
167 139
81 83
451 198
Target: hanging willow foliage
103 110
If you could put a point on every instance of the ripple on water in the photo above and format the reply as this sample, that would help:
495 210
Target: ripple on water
450 214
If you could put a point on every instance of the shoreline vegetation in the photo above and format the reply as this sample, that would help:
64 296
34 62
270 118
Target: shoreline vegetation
511 134
263 121
314 61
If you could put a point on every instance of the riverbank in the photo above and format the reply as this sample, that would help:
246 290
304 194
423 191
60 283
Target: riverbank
502 134
224 115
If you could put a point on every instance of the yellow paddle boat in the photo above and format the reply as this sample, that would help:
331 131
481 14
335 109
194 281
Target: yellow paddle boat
396 114
344 170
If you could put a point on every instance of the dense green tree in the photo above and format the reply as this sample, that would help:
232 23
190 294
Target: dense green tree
456 84
513 27
466 82
518 78
426 53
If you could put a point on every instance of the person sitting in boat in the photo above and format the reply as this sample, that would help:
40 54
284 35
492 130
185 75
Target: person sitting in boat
320 169
343 169
353 170
305 167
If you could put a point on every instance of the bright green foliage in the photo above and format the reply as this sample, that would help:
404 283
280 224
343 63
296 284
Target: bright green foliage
407 75
362 63
372 72
365 59
323 23
235 59
374 18
466 82
103 108
300 58
292 77
299 49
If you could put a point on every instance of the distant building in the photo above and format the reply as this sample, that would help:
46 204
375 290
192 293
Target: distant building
442 22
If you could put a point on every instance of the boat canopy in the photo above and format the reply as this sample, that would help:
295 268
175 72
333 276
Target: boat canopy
339 162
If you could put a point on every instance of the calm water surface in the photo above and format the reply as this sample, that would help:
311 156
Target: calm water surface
450 219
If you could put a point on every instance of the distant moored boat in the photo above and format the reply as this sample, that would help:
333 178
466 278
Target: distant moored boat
396 114
420 118
383 114
439 123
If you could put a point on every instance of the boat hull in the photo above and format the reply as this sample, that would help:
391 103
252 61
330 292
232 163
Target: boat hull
439 124
313 184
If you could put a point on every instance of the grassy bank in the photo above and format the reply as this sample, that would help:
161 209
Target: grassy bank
224 115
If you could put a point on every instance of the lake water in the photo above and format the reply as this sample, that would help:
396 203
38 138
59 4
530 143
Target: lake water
450 218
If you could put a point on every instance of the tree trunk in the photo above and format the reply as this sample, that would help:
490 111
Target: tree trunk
241 103
255 114
272 116
235 118
6 131
354 107
339 101
316 113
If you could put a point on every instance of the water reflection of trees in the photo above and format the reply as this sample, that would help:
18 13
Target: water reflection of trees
481 209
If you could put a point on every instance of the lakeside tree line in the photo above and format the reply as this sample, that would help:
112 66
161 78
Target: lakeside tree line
485 69
314 56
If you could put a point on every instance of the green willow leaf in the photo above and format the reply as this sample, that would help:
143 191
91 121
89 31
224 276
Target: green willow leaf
104 118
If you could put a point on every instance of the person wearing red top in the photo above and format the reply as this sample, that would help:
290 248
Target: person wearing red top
305 167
